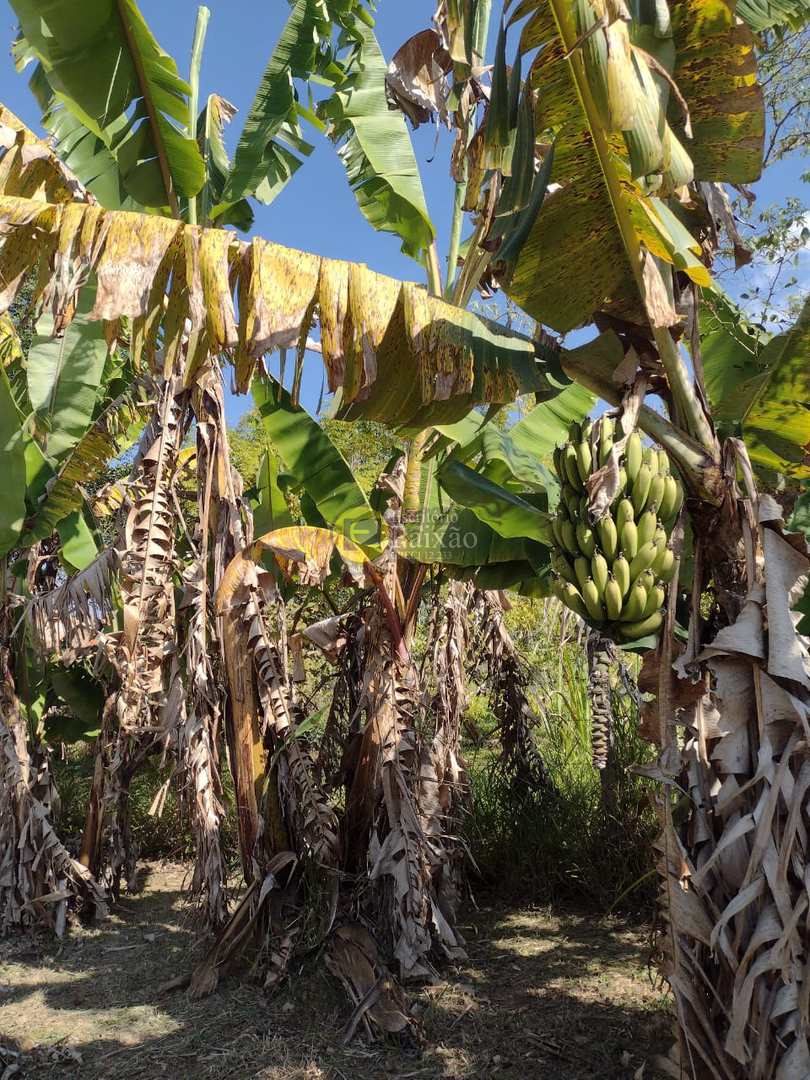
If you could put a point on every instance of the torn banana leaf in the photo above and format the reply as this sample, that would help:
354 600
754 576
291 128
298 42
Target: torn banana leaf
31 169
396 354
575 262
111 73
375 147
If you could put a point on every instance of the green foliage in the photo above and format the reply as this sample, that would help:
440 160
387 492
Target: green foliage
376 149
168 836
755 383
130 97
64 376
315 465
366 445
12 451
568 844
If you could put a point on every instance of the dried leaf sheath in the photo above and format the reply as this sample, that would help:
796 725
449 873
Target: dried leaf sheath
196 751
37 875
146 556
734 877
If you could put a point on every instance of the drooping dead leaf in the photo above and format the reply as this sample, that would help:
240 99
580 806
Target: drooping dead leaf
416 80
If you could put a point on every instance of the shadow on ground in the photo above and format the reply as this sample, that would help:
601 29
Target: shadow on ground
541 996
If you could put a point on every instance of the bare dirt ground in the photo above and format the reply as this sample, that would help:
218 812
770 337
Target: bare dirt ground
542 996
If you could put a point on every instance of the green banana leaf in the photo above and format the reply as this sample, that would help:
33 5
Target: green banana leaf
515 457
776 425
105 66
506 513
773 14
211 134
731 350
12 454
262 164
376 149
442 531
760 385
78 547
270 510
84 153
316 464
103 440
85 699
64 375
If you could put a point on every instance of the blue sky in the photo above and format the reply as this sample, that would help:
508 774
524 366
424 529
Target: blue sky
316 212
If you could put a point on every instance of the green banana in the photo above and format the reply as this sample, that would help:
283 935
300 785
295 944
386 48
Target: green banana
571 500
634 605
647 579
647 524
664 565
668 498
621 572
628 540
608 536
632 456
656 491
633 631
645 557
655 600
569 595
672 500
641 488
606 430
571 470
614 571
584 459
624 512
556 528
585 539
613 599
590 595
563 567
582 569
569 536
599 571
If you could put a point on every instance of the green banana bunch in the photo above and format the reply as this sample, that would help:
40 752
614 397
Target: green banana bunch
613 572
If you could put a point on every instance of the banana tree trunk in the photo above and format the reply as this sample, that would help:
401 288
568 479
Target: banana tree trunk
733 849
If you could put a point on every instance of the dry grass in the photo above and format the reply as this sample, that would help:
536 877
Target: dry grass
567 998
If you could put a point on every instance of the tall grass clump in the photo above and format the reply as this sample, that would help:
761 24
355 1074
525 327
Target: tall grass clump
585 838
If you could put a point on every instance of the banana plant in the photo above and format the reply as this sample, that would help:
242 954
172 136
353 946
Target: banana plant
632 105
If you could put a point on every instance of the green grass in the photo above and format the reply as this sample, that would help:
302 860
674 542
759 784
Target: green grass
570 844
